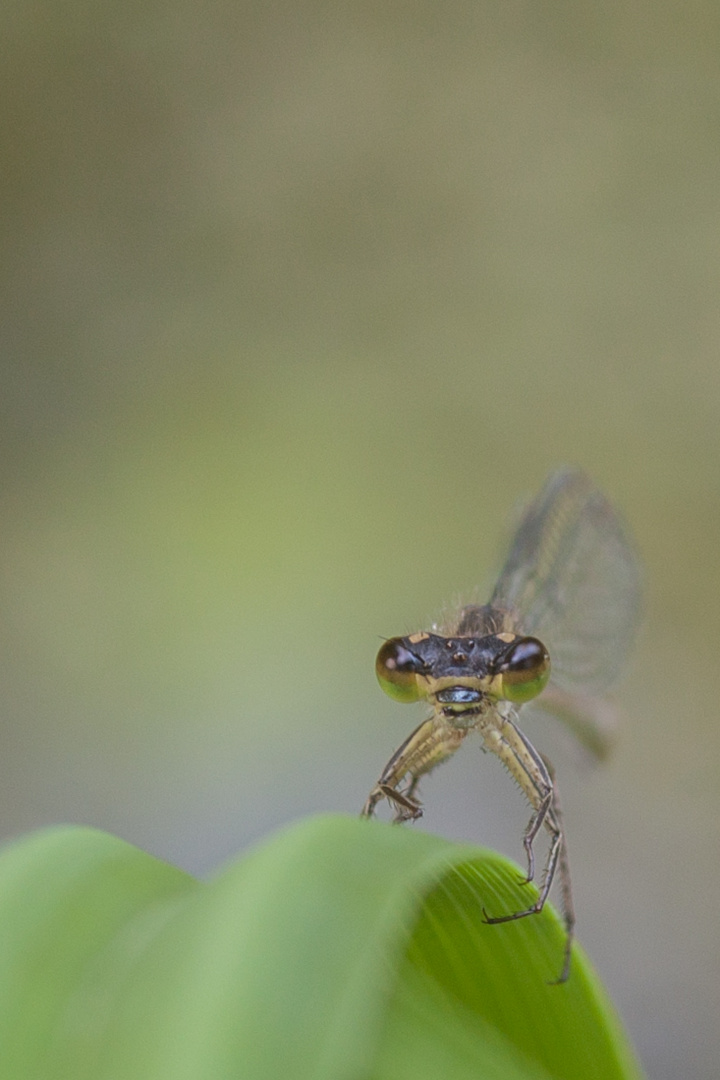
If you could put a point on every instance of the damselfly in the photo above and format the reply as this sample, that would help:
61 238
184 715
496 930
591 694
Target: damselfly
556 631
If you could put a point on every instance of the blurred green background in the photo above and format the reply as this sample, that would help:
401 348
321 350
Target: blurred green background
298 300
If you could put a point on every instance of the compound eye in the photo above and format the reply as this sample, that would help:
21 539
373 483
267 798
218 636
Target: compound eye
397 669
524 670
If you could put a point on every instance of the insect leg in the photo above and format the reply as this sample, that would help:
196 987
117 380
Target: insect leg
533 828
568 908
535 776
432 742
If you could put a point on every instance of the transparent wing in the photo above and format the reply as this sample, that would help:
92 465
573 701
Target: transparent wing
572 578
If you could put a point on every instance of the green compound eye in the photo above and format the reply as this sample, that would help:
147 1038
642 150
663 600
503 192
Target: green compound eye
524 670
397 670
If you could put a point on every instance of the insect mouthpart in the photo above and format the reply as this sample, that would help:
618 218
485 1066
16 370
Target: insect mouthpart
458 695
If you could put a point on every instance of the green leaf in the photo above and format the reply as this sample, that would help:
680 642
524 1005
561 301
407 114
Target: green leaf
341 949
76 907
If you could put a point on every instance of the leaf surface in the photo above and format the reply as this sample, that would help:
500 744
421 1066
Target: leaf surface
339 949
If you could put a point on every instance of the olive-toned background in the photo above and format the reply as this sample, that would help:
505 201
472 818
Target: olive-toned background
298 299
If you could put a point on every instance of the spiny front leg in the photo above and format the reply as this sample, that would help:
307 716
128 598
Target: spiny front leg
535 776
432 742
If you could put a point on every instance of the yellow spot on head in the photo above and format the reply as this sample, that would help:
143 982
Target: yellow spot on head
415 638
507 638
